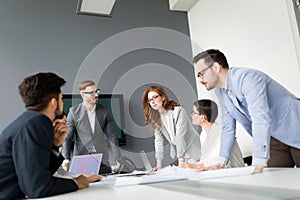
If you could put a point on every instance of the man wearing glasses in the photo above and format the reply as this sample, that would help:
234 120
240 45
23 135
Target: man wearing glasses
267 111
91 129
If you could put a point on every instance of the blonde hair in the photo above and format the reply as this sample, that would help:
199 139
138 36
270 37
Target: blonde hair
85 84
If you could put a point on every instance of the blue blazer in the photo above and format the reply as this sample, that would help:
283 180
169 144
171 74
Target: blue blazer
263 107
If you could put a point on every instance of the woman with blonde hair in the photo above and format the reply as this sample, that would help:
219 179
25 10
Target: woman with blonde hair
168 119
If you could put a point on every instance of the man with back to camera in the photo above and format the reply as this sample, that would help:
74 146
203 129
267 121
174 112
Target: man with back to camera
268 111
29 145
91 127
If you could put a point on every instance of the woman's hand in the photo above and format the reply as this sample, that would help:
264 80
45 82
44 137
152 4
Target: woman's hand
154 169
212 167
192 166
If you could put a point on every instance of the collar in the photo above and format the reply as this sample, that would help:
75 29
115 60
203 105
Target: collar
227 86
93 109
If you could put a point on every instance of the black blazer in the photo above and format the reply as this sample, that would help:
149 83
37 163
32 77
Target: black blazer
27 161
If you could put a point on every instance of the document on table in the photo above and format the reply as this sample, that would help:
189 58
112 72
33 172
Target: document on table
172 173
193 175
126 180
134 173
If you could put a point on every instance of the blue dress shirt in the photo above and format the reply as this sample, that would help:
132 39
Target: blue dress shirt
263 107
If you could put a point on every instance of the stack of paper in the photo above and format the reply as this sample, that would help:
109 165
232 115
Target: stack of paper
138 179
193 175
171 173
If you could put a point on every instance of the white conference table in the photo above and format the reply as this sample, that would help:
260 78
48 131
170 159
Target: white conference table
273 183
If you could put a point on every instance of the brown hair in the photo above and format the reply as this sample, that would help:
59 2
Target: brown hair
210 56
37 90
152 116
85 84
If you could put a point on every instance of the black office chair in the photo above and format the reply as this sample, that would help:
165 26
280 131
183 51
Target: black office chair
248 160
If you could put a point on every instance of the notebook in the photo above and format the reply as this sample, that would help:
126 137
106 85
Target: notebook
86 164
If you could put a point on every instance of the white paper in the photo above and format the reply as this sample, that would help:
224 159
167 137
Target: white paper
172 173
193 175
118 181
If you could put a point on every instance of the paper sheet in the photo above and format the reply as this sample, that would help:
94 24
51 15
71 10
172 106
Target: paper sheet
172 173
193 175
138 180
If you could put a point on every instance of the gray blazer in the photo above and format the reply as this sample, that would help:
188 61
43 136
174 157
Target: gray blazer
85 142
187 138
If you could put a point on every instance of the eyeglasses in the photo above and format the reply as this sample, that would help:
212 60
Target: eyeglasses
153 98
201 73
93 92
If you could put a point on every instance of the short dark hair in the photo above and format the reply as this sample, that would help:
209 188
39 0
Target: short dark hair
208 108
210 56
37 90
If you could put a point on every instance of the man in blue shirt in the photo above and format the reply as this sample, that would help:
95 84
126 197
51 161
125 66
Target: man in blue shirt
267 111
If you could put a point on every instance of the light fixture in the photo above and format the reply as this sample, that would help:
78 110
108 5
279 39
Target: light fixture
181 5
95 7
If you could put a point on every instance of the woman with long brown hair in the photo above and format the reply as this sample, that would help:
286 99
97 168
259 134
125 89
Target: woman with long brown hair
168 119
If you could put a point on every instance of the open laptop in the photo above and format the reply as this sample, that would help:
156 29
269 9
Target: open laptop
145 160
86 164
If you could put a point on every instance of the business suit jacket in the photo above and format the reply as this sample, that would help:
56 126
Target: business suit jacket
210 149
27 162
187 138
104 139
263 107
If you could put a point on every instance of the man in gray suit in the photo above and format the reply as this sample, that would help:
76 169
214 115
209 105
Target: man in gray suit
91 129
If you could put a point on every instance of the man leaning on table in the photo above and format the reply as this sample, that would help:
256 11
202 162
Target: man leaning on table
29 145
267 111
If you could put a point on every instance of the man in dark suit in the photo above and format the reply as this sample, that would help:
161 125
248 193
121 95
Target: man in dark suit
29 146
91 129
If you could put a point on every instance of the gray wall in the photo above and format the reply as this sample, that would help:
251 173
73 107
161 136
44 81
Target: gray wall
141 44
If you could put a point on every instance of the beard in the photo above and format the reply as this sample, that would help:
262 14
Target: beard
95 100
58 114
212 84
